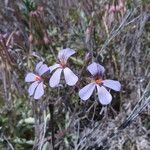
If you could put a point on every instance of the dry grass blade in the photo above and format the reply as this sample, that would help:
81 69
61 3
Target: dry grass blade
143 102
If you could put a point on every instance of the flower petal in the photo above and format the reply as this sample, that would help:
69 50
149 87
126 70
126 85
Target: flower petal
55 78
115 85
64 54
39 91
55 66
95 69
87 91
43 69
103 95
30 77
38 66
32 88
70 78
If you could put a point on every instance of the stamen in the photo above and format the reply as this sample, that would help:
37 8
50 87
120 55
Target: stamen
38 78
63 63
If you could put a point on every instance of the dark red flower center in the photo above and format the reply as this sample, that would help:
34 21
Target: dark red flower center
99 81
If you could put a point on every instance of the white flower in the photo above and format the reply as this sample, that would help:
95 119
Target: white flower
98 83
37 86
60 67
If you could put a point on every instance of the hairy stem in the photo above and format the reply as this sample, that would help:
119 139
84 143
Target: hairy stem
51 124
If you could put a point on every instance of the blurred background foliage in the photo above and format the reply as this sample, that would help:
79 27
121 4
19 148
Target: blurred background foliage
114 33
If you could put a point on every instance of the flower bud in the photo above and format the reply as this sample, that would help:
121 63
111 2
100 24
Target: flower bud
88 34
112 9
30 38
46 39
40 8
88 56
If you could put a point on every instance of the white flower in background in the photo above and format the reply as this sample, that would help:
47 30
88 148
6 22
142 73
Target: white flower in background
70 78
36 89
98 83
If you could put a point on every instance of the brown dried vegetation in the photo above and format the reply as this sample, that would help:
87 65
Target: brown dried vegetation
115 34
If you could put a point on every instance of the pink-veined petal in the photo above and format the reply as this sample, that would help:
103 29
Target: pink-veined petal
39 91
43 69
95 69
64 54
55 78
38 66
32 88
30 77
55 66
70 78
87 91
112 84
103 95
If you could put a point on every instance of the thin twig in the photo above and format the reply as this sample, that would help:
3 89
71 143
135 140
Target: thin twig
9 144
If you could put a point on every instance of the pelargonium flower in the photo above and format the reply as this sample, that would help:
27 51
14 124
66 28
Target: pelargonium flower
37 86
60 67
98 83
